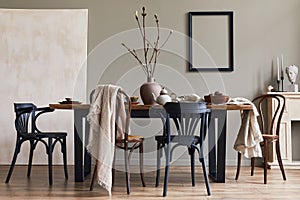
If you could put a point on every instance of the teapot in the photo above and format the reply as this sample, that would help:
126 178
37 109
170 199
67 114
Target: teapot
163 97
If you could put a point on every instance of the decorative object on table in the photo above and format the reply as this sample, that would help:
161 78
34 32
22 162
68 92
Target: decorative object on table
216 98
280 74
163 97
148 61
68 100
189 98
147 89
292 72
134 100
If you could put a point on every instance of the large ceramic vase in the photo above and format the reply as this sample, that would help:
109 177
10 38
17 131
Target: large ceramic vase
150 90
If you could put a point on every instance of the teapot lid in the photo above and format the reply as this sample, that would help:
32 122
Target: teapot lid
163 91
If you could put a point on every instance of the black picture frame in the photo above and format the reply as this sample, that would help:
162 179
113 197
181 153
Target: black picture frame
228 54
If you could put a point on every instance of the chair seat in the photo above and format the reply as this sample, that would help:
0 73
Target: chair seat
132 138
270 137
46 135
186 140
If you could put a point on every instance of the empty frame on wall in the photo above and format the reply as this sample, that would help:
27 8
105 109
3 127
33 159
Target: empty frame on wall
211 41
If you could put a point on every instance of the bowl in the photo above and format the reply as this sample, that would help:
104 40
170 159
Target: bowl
68 99
134 98
216 99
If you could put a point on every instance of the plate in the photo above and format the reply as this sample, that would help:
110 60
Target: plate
135 103
69 102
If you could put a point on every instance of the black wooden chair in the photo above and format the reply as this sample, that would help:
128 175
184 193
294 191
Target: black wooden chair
129 143
186 117
270 131
26 115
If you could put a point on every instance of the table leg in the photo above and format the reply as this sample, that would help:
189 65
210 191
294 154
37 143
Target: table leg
82 159
87 156
217 154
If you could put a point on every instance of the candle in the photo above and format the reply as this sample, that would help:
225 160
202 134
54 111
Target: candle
278 73
281 65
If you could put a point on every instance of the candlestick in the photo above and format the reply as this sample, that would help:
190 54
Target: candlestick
281 66
282 78
278 73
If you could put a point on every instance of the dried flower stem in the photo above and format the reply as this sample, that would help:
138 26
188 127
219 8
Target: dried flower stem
149 64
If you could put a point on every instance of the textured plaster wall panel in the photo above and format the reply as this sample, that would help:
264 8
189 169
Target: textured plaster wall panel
41 60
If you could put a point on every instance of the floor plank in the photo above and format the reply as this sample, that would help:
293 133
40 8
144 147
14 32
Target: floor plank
247 187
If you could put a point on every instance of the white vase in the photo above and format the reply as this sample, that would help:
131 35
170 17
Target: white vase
148 89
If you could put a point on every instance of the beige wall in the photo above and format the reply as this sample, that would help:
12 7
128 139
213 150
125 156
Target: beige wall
263 29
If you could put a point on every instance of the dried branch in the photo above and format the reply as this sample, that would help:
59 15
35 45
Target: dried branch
149 64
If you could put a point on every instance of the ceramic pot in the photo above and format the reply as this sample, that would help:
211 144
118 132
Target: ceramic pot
147 89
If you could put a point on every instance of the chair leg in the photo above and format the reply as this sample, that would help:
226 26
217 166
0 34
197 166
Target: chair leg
167 170
113 170
30 158
202 160
127 170
64 152
238 168
94 177
192 157
142 164
13 162
280 160
159 154
50 150
265 161
252 165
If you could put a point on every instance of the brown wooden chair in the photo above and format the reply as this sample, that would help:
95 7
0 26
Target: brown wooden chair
128 144
270 131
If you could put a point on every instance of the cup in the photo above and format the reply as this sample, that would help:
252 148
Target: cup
134 98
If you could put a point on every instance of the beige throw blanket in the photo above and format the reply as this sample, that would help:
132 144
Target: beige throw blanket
101 118
249 136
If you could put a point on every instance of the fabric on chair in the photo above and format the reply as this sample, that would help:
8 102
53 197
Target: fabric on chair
102 130
269 124
249 135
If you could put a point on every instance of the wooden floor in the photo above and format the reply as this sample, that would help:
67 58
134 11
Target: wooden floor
247 187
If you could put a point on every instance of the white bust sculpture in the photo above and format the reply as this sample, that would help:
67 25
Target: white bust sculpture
292 72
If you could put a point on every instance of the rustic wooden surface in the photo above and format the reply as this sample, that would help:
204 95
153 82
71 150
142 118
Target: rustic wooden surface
247 187
146 107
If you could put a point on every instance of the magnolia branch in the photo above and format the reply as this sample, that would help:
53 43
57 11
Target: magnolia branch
149 64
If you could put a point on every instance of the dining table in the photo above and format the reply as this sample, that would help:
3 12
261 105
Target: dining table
217 131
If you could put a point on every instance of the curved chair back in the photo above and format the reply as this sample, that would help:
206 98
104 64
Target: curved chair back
127 102
274 124
25 114
187 116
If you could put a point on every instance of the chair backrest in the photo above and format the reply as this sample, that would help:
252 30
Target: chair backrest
127 105
126 99
187 116
270 122
25 115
